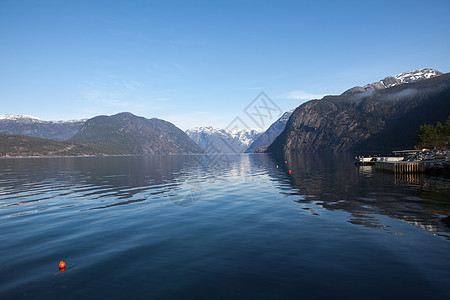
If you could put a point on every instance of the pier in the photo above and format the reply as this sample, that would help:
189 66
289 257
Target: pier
367 161
401 166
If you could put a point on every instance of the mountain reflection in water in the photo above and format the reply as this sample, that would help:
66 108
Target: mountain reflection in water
332 182
220 227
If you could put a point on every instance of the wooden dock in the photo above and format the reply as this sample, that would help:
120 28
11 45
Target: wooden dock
367 161
401 166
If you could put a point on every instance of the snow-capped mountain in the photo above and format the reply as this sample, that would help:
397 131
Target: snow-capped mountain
416 75
33 126
31 119
390 81
266 138
376 121
215 140
19 118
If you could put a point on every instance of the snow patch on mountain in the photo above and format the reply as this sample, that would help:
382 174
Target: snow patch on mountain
390 81
216 140
18 117
27 118
416 75
285 117
36 127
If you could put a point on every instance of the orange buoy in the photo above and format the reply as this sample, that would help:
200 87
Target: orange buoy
289 171
62 265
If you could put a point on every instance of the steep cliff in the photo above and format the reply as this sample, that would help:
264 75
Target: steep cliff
374 120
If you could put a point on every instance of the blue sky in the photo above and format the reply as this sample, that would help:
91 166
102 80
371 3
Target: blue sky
197 63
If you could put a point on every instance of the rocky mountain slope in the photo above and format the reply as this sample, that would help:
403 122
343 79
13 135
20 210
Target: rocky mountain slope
390 81
32 126
125 133
380 120
214 140
266 138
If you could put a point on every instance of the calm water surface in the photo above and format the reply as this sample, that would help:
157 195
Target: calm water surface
230 227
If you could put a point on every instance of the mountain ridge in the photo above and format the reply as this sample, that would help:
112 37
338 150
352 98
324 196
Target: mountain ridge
391 81
358 118
380 120
125 133
36 127
120 134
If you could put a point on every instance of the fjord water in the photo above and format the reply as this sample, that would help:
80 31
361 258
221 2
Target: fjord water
220 227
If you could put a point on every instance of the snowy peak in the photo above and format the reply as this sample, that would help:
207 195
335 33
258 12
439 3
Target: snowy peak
245 136
31 119
225 141
9 117
285 117
390 81
416 75
32 126
206 130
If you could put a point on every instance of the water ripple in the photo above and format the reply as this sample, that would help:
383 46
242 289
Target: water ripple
159 225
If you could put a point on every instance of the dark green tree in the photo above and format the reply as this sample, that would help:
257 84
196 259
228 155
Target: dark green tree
430 136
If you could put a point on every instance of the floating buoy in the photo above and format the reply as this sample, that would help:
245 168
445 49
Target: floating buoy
277 166
289 171
62 265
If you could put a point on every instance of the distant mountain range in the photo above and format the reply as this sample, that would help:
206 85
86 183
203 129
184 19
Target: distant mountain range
373 119
121 134
380 116
32 126
214 140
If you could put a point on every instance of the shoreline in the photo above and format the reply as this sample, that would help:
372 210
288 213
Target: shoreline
94 155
